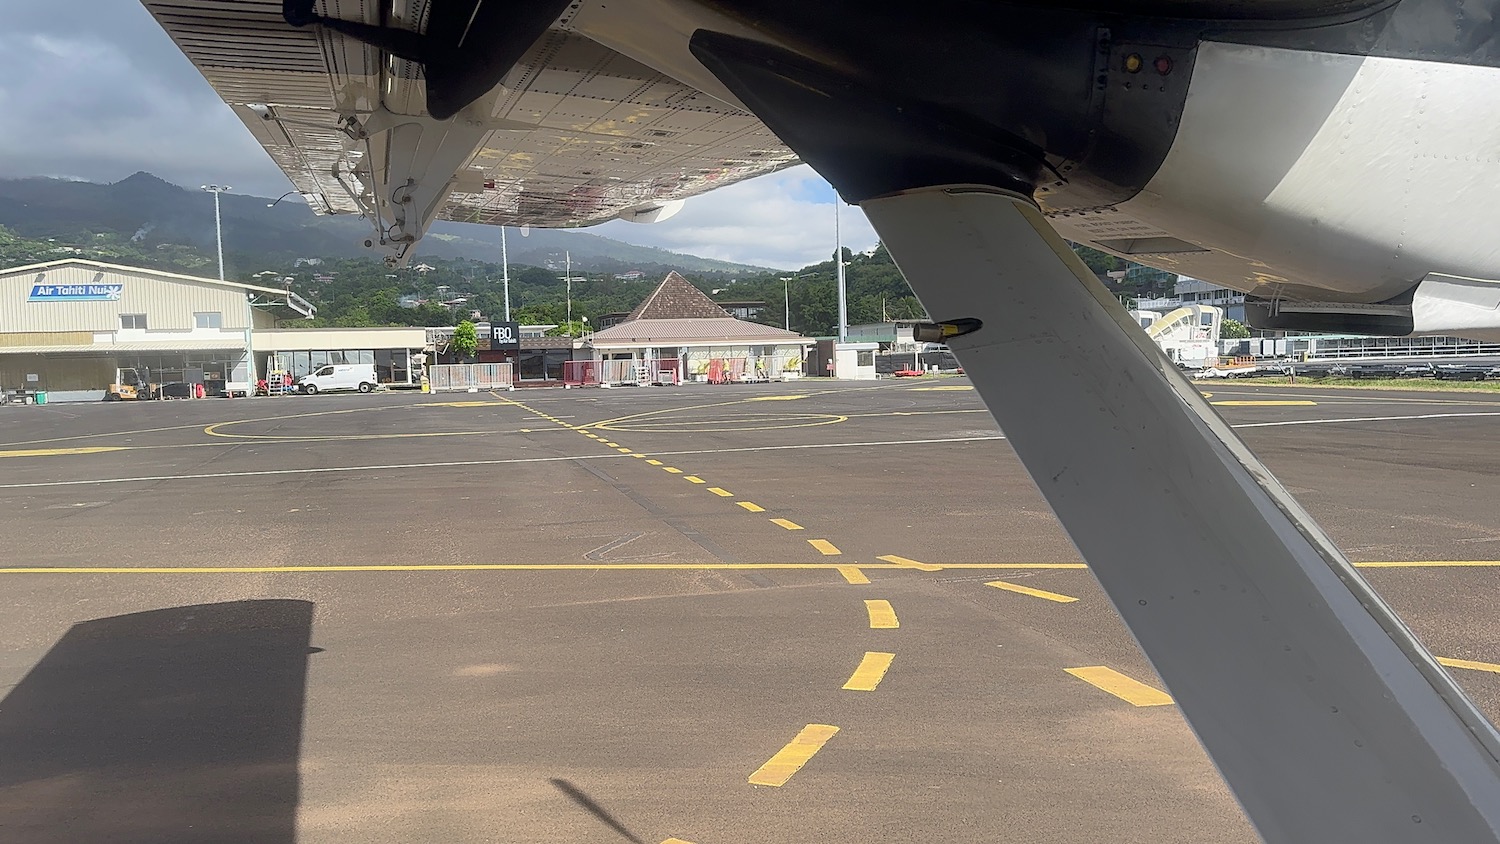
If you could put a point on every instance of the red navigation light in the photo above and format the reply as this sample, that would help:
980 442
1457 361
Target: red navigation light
1163 65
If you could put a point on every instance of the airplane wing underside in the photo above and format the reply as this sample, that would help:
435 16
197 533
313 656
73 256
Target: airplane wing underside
576 133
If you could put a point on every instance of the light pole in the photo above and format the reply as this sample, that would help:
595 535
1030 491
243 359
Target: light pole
505 271
249 309
838 258
786 292
219 223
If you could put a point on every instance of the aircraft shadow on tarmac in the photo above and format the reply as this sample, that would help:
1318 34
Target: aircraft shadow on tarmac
174 725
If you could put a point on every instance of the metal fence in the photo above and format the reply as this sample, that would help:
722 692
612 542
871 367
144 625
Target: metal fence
620 373
580 373
470 377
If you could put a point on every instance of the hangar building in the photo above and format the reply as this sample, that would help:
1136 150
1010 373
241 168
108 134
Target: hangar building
66 326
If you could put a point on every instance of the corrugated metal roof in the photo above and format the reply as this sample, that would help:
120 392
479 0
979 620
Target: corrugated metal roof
81 262
643 332
131 346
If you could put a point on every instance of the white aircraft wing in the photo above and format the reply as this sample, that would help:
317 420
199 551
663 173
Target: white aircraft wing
574 134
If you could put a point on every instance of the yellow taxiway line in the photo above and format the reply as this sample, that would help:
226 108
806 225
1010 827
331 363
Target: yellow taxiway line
589 567
1035 593
1264 403
824 547
1125 688
882 615
790 759
1469 664
613 566
853 576
56 452
870 672
904 562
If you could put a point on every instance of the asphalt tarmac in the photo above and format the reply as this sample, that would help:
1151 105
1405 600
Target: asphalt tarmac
815 611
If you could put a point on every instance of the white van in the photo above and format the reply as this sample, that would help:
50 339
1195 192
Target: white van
339 376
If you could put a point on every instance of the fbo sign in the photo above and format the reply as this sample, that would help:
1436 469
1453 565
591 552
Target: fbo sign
505 335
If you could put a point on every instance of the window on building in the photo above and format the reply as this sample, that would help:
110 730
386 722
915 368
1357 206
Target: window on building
133 321
208 319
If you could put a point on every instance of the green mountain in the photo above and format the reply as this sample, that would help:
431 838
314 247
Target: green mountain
154 214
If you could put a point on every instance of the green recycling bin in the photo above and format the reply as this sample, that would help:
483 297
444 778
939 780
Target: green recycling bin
41 396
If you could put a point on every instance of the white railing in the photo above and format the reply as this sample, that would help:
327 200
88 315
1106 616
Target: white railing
619 373
470 377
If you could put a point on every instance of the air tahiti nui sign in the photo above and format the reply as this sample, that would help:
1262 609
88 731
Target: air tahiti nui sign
75 292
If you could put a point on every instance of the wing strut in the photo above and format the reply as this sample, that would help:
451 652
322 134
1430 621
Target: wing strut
1327 718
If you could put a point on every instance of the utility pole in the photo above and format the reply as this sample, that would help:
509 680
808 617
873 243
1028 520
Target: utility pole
568 257
505 272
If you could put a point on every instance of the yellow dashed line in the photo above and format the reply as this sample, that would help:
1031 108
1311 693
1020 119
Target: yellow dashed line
902 561
654 462
786 523
870 671
824 547
1125 688
694 479
721 492
611 445
882 615
752 507
790 759
633 454
673 469
1035 593
853 575
624 450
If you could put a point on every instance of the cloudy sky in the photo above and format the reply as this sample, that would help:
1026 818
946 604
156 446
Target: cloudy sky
101 92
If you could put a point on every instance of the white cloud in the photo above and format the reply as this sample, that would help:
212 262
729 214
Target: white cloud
783 220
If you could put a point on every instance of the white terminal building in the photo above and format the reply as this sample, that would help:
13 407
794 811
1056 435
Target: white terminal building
67 327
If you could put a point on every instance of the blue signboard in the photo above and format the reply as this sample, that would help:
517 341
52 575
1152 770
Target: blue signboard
75 292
